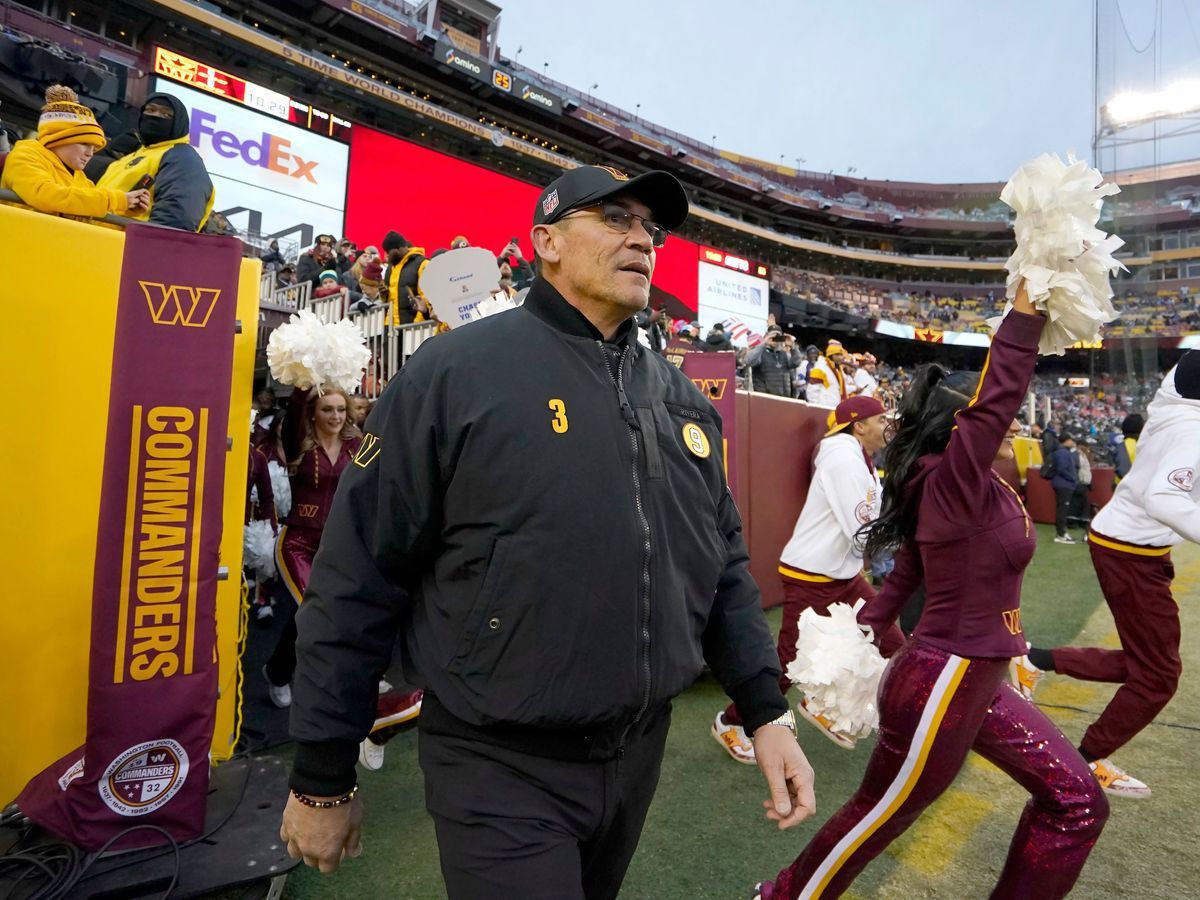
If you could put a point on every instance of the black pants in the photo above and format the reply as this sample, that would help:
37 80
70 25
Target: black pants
1063 497
282 663
1080 512
514 825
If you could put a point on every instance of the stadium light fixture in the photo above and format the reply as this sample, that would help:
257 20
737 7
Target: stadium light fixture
1131 107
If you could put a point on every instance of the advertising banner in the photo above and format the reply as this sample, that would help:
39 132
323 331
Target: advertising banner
152 674
725 294
271 178
715 375
537 96
445 52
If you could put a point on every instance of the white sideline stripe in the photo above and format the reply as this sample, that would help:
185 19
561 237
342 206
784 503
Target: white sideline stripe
873 818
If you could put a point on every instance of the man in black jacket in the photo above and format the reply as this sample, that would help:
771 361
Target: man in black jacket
774 363
550 612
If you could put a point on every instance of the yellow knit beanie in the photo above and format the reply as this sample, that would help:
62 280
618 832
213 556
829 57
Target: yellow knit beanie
65 120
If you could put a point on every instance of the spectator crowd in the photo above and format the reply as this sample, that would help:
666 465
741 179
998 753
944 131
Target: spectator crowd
967 308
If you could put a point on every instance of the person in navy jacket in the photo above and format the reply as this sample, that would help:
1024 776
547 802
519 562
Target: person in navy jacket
1065 481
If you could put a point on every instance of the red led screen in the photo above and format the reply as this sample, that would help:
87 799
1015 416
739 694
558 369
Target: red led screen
430 198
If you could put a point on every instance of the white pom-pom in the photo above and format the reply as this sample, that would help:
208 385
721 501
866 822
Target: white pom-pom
281 487
307 353
838 668
258 548
1064 258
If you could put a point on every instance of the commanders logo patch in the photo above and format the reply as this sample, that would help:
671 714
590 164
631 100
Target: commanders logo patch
615 173
1183 478
862 512
144 778
696 440
367 451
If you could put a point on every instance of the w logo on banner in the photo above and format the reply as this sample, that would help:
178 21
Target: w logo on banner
177 304
713 388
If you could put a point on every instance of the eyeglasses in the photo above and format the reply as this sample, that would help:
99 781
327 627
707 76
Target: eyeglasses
619 219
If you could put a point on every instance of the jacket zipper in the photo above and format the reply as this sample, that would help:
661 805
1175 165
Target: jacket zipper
644 600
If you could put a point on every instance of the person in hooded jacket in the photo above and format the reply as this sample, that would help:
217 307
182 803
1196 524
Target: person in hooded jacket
181 193
717 340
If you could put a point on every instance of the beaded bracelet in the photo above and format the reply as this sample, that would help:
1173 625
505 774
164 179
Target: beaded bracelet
325 804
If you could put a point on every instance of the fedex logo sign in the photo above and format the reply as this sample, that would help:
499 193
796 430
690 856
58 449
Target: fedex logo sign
268 151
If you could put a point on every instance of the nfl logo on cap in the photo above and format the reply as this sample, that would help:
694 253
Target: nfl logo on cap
550 204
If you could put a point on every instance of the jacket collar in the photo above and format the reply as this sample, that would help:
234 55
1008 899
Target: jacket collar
545 302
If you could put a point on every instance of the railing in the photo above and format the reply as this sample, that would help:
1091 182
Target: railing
8 196
390 345
292 298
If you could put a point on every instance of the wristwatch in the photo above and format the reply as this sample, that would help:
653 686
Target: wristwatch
787 720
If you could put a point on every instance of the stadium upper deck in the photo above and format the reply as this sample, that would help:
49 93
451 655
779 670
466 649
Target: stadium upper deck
436 75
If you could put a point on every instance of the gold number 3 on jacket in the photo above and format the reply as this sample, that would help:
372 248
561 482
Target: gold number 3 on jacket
559 423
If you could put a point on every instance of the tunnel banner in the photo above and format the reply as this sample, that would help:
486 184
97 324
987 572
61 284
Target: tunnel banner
715 374
152 671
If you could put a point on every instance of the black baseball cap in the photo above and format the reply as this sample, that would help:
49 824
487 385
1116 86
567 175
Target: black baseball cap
588 185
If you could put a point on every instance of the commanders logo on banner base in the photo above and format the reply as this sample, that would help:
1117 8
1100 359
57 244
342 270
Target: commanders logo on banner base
144 778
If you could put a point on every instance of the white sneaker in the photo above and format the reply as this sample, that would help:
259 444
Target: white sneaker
370 754
280 696
734 739
1024 675
826 727
1064 539
1117 781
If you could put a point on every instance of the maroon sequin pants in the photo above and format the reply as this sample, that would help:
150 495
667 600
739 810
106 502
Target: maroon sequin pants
934 707
1137 589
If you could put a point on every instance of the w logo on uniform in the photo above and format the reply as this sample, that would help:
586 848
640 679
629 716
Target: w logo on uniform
177 304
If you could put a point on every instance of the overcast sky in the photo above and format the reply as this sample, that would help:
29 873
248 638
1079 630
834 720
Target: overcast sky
926 90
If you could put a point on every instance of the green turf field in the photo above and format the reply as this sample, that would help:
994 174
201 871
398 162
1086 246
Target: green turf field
706 837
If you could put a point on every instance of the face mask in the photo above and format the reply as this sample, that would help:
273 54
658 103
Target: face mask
154 129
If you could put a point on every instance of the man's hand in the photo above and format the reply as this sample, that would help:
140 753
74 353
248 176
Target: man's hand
322 837
788 774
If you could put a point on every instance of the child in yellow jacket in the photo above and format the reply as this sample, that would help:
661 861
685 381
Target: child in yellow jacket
47 173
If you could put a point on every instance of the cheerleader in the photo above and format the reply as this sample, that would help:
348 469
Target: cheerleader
966 533
319 442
